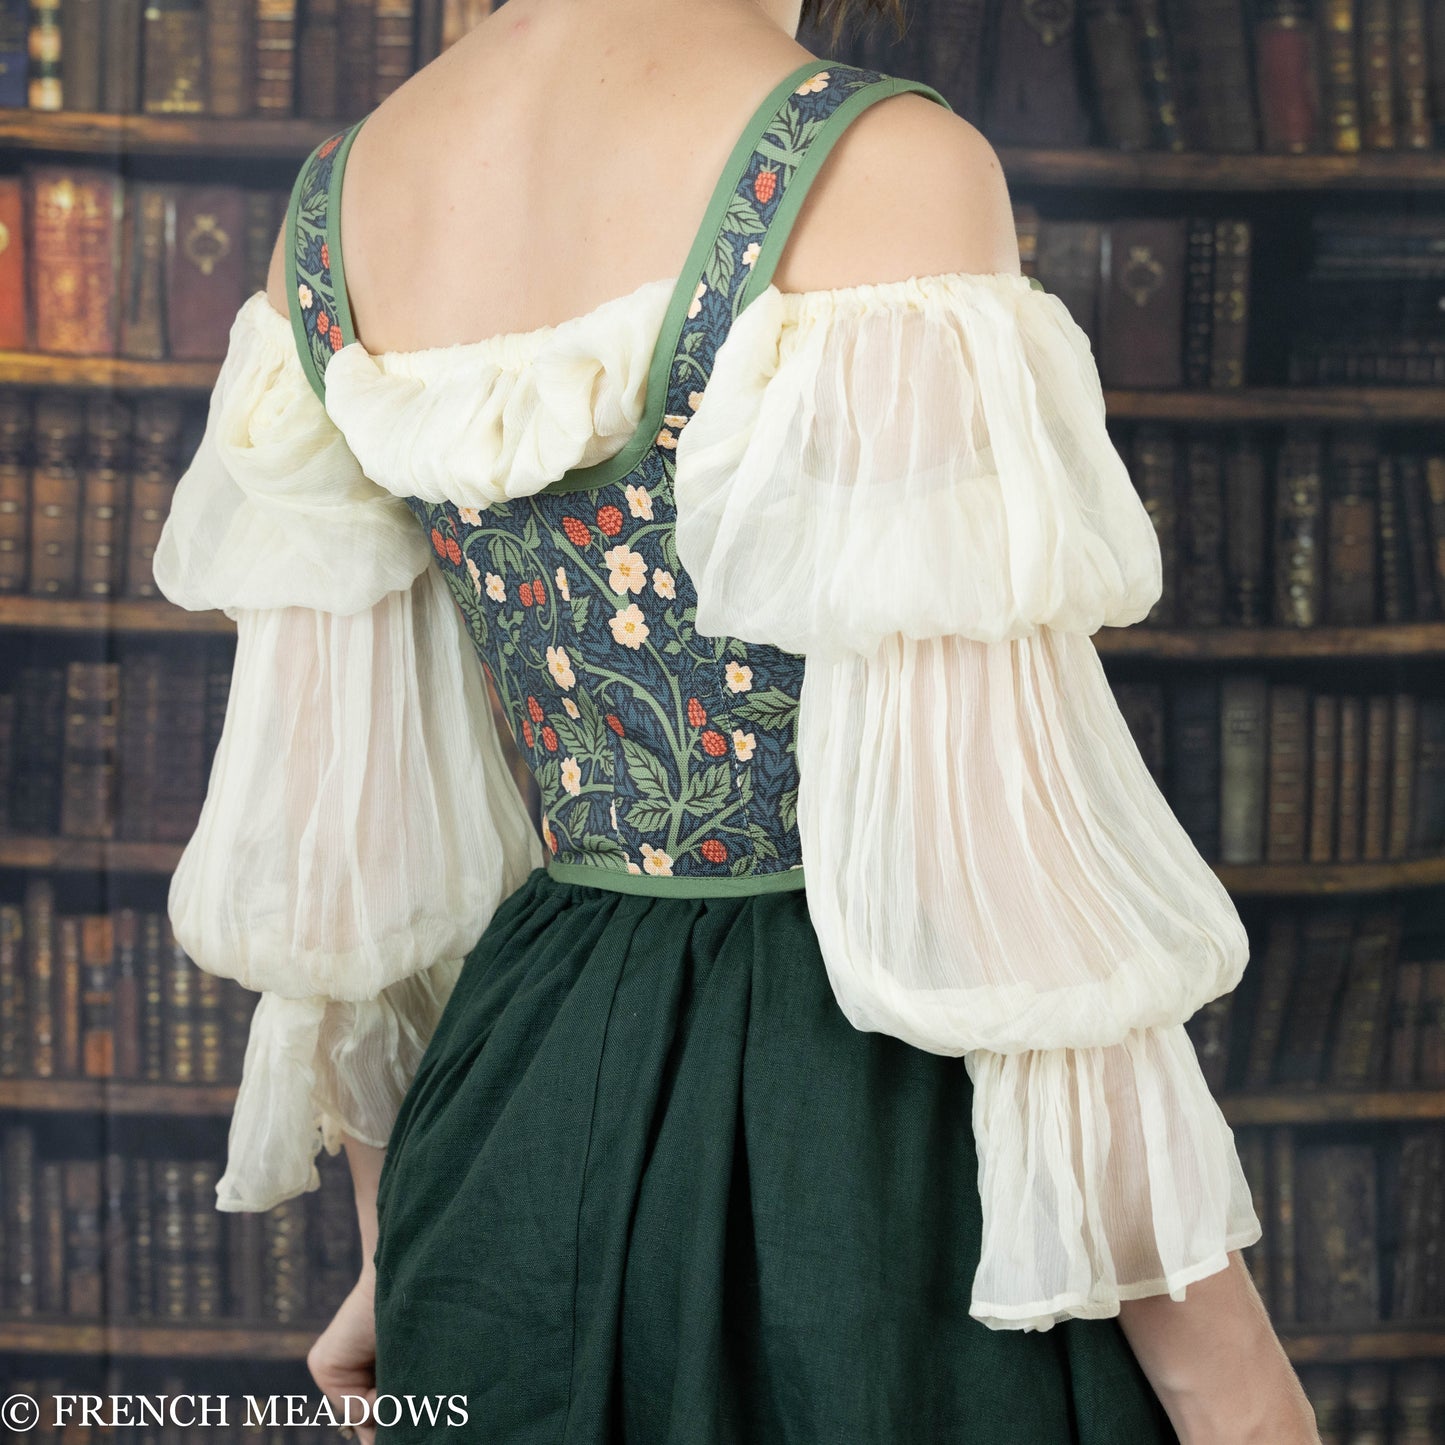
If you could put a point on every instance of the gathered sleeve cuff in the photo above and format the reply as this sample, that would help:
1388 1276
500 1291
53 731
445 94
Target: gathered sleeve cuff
912 485
360 825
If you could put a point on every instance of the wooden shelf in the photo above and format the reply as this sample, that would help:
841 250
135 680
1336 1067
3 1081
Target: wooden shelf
206 137
1095 168
1226 644
1279 404
154 1341
118 1096
70 855
1285 879
105 373
1398 1340
1334 1106
77 614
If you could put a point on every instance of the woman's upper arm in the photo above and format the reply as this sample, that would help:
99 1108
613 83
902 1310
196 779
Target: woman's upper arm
910 189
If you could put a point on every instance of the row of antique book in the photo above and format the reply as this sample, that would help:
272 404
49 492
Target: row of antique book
114 750
1328 1002
1263 771
1374 1403
129 1236
101 265
1164 300
1232 76
85 487
111 995
318 58
1353 1228
1296 526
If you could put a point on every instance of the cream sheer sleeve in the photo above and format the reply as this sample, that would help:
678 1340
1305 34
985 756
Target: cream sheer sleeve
360 825
911 484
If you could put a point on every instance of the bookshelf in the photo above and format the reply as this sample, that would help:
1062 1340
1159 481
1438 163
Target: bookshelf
1050 181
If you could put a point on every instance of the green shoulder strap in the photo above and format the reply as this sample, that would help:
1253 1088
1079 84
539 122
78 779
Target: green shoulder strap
315 278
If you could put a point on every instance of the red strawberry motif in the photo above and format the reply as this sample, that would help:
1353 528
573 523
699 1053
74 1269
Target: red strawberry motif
326 255
525 593
549 738
535 708
765 185
323 323
714 744
576 530
615 723
538 595
609 520
328 147
527 731
454 551
552 840
714 851
438 542
336 342
696 713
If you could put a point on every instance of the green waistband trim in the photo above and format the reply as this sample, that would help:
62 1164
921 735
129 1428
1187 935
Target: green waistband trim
675 885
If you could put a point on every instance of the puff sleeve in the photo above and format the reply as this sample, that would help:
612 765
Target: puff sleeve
360 825
911 484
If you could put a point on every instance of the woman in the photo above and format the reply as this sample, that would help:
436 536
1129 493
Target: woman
667 359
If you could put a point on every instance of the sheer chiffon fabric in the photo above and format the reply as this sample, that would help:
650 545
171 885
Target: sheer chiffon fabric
912 484
360 825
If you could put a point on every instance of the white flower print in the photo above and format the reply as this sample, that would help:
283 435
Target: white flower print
662 583
655 861
570 708
470 515
743 744
562 585
496 588
739 677
696 303
476 575
304 296
676 422
813 84
612 812
665 438
560 666
571 775
751 253
632 867
628 628
629 570
639 503
694 399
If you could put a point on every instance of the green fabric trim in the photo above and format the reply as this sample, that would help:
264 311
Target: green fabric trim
293 300
803 177
655 405
333 234
674 885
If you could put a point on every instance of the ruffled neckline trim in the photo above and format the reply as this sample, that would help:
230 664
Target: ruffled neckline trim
480 422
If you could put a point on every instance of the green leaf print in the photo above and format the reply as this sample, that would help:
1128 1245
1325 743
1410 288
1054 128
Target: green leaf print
648 817
707 791
770 708
648 774
788 809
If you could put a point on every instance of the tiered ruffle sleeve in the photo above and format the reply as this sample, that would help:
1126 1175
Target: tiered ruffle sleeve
360 825
911 484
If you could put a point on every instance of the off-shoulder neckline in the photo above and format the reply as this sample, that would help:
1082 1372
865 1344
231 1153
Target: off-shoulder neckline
516 346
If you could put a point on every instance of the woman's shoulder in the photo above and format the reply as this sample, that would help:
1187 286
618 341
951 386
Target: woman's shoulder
910 189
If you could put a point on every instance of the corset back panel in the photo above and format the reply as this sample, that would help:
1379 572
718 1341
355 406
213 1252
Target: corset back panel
657 751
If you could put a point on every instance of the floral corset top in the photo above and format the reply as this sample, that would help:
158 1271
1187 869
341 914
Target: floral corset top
657 749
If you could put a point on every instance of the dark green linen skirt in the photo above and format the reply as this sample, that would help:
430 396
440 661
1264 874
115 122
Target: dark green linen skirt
649 1185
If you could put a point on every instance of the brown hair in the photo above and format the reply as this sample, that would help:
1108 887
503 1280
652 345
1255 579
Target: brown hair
832 17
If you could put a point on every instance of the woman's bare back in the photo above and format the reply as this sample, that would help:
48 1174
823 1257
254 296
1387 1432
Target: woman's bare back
563 153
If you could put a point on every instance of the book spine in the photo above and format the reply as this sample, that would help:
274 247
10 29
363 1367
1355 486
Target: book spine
44 91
